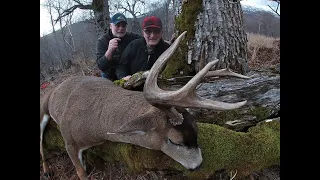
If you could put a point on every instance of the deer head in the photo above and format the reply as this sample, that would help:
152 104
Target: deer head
91 110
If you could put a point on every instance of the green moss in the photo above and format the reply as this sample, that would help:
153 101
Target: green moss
136 76
176 67
224 116
136 158
184 22
119 82
137 79
260 112
221 117
221 149
244 152
52 137
188 16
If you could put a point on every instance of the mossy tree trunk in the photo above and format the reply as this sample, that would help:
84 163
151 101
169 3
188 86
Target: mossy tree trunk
101 16
215 27
244 152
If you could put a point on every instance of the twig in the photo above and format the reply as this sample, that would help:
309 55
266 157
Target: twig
233 175
275 11
234 2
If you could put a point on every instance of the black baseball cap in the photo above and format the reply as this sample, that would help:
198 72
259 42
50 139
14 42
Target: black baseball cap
115 19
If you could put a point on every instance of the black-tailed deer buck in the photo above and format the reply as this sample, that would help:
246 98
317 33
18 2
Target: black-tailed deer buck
91 110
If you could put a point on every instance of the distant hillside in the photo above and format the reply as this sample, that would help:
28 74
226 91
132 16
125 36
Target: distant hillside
54 51
259 21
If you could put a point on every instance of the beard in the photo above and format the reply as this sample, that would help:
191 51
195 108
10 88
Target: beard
120 34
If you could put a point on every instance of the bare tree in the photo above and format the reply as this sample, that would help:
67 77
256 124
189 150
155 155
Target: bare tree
166 18
58 6
277 8
165 11
49 4
46 57
100 9
134 8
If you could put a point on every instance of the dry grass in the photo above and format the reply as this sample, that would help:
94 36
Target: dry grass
63 169
80 67
261 40
263 52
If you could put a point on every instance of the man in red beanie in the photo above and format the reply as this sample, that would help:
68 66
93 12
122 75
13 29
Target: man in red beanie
141 54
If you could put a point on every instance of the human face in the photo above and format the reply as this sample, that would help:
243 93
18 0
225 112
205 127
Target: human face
119 30
152 36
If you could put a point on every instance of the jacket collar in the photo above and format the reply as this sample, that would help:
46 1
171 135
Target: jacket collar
161 42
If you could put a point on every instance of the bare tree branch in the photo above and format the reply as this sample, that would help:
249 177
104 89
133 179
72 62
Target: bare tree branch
73 8
275 11
235 1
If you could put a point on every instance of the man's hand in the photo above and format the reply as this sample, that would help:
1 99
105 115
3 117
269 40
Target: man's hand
126 78
173 38
113 45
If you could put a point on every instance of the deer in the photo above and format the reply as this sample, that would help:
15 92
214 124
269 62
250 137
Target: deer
91 110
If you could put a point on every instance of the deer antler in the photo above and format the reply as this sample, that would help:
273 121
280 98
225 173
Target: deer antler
186 96
225 72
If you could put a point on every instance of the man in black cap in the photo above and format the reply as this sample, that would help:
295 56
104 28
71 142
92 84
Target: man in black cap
110 46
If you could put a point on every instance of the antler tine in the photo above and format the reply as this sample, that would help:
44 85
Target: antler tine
186 96
192 84
151 86
225 72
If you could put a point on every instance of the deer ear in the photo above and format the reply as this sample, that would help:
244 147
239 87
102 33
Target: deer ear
140 125
175 117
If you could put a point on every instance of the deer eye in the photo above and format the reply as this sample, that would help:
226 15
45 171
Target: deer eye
177 144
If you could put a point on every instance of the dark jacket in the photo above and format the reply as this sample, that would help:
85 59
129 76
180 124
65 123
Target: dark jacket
136 58
103 63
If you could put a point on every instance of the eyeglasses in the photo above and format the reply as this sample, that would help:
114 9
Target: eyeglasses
155 31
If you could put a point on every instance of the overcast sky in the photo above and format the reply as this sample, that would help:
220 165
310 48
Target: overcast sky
45 26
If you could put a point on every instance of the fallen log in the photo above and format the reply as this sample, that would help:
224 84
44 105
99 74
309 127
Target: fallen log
222 148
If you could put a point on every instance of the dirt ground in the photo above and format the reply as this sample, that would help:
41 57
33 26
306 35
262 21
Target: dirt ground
62 169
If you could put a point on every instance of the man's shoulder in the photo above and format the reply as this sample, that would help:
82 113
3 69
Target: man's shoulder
164 44
136 44
137 41
167 45
134 35
104 37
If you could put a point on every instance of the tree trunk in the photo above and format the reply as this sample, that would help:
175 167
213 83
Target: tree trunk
135 25
166 19
217 28
101 15
58 56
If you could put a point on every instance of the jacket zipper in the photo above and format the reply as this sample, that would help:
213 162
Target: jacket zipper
148 59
